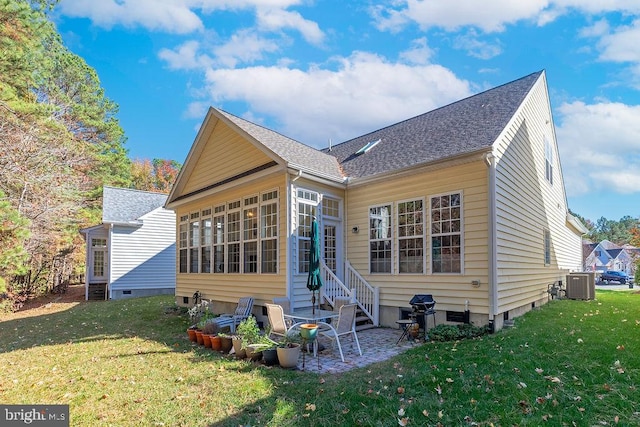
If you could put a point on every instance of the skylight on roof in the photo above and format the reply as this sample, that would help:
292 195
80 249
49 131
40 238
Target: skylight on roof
368 146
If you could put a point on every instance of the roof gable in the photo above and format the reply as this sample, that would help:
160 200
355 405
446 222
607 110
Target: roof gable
295 154
122 205
463 127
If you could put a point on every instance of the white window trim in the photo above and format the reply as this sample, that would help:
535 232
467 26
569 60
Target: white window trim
316 206
430 234
392 238
398 238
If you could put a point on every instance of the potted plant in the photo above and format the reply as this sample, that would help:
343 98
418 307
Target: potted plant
226 342
269 350
205 317
212 329
289 350
248 333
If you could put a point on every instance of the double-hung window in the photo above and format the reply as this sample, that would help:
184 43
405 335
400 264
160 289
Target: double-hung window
218 238
548 160
194 241
205 241
307 206
546 235
250 234
380 239
411 239
183 244
446 233
233 237
269 232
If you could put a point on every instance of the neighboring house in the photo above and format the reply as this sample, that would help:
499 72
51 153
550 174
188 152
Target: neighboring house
607 255
133 251
466 202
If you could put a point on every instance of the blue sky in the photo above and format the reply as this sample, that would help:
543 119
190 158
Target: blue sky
331 70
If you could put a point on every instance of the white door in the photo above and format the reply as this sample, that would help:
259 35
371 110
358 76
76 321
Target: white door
98 261
333 247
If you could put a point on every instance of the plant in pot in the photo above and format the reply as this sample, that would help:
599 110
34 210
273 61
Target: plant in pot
249 334
289 350
226 342
205 317
211 330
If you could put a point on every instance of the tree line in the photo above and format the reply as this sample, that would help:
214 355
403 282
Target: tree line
60 143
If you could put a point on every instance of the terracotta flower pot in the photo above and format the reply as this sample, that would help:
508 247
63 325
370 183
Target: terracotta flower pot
200 337
192 334
216 343
206 338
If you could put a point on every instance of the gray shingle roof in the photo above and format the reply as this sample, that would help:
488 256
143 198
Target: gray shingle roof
465 126
126 205
294 153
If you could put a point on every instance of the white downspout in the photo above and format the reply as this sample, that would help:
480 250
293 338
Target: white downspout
493 242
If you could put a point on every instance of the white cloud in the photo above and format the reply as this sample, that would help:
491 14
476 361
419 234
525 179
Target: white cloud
599 147
622 45
488 15
420 52
245 46
364 93
169 16
185 57
276 19
476 47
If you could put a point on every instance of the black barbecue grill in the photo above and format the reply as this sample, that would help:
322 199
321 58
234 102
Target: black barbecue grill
422 303
423 306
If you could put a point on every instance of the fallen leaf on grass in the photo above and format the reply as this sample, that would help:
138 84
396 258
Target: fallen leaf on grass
620 347
401 412
403 421
310 407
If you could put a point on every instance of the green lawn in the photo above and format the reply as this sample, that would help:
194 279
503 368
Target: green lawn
127 363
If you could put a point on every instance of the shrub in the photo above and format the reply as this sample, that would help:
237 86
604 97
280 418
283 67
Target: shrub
457 332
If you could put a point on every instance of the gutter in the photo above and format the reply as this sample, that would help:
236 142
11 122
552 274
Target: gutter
490 160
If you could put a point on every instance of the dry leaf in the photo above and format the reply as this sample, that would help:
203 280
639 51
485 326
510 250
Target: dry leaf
403 421
425 412
438 389
310 407
400 390
449 380
401 412
539 370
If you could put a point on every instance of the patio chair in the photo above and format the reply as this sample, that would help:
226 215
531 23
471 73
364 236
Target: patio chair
346 325
285 303
243 311
277 322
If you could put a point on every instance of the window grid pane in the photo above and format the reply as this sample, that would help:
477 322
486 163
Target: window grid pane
306 212
410 237
446 233
380 239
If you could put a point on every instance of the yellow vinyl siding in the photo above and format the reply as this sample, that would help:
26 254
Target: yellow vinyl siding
450 290
527 204
226 154
228 287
